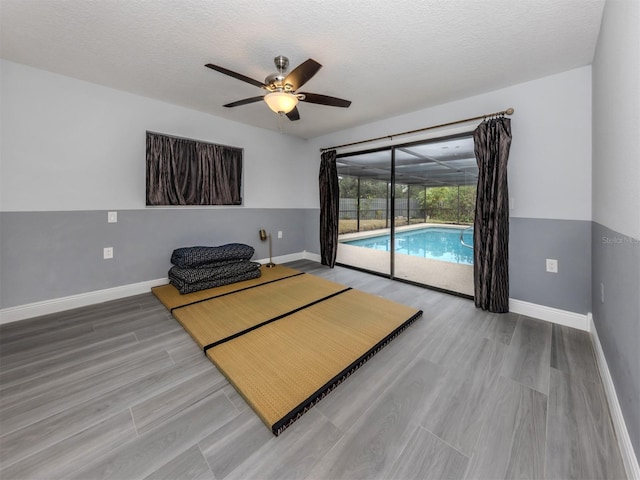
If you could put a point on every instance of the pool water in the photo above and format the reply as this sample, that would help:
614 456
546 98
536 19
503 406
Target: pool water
432 242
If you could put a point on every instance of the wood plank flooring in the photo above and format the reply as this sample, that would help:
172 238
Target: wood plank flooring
119 390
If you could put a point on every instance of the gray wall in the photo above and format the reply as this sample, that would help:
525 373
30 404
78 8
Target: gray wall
48 255
312 230
616 265
616 203
531 242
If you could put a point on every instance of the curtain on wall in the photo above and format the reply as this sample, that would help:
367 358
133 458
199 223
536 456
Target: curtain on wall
492 140
329 208
186 172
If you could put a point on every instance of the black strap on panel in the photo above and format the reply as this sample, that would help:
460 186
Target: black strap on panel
236 291
267 322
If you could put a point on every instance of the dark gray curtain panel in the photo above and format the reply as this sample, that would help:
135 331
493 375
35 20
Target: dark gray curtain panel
492 140
329 208
186 172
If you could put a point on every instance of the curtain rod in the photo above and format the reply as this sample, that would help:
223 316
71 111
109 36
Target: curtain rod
193 140
508 111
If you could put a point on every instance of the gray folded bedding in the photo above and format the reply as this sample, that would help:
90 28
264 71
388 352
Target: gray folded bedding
195 257
188 280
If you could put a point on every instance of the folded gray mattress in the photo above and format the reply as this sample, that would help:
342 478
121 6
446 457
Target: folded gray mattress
189 257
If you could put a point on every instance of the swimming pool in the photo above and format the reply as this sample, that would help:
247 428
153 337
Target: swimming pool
431 242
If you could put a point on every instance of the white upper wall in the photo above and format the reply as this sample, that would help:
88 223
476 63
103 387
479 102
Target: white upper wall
550 158
616 119
73 145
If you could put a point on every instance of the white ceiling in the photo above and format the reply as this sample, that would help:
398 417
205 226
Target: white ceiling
387 57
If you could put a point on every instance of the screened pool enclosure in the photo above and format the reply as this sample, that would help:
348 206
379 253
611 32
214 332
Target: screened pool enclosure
418 185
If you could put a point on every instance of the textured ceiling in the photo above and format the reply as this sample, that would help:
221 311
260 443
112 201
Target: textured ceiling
386 57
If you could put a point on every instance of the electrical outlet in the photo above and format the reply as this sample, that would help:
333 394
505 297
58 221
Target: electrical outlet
112 217
279 233
107 253
552 265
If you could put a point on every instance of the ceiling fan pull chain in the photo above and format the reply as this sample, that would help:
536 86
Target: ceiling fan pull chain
280 123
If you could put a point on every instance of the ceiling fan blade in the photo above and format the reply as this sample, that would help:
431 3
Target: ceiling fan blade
302 73
294 114
325 100
236 75
244 102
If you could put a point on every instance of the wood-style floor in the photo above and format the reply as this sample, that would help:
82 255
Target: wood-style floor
119 390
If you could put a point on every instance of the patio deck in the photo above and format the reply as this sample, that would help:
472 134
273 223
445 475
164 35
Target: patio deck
436 273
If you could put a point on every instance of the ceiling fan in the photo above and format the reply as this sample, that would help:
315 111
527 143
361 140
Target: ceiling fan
282 91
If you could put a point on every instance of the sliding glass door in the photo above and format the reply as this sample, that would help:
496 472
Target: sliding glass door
407 212
365 216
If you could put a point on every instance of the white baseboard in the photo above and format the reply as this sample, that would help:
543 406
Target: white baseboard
312 256
622 434
292 257
55 305
304 255
46 307
553 315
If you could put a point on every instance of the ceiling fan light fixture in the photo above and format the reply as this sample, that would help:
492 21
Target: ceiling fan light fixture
281 102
